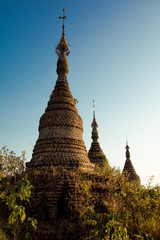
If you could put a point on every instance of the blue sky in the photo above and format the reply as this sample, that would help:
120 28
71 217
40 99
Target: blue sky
114 59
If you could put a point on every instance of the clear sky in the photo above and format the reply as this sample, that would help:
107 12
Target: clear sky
114 59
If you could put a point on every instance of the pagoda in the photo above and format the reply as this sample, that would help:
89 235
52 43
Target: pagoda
96 154
129 169
60 143
58 153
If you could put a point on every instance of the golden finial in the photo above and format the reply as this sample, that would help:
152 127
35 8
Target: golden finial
63 46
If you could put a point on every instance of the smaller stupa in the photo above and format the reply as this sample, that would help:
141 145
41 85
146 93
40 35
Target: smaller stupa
96 154
129 169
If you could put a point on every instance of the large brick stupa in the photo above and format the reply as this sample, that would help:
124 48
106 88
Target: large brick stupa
60 143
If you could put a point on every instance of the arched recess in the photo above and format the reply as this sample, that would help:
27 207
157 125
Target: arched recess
63 208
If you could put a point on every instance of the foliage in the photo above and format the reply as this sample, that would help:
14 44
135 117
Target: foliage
10 164
103 204
110 207
99 156
15 192
75 100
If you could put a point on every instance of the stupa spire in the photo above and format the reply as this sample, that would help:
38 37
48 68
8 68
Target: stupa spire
127 151
63 46
128 167
95 153
94 126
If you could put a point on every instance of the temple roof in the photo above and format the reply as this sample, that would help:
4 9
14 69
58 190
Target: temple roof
128 167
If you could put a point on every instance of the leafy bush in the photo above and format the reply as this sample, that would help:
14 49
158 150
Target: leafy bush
110 207
15 192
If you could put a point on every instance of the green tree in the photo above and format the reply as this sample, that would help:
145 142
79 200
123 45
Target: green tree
15 192
10 164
